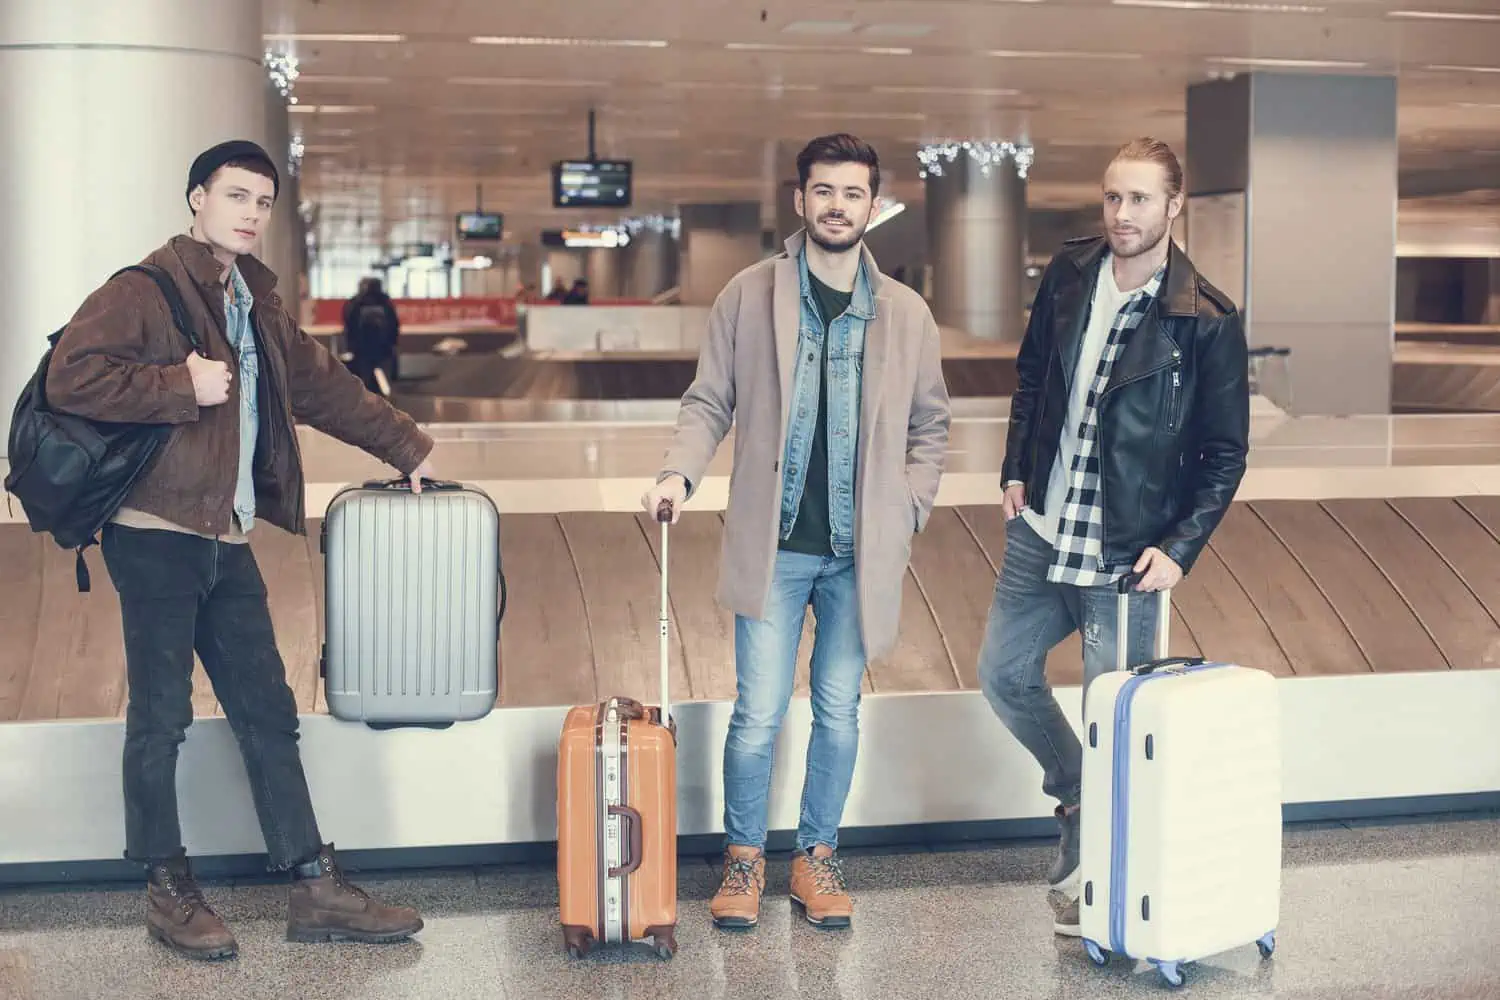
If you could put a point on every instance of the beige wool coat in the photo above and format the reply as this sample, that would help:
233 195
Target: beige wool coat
744 378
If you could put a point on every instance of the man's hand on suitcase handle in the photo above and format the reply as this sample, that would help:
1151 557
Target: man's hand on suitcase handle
664 500
1157 571
421 472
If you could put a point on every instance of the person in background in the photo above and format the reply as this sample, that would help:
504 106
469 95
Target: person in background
176 549
823 508
372 333
1128 437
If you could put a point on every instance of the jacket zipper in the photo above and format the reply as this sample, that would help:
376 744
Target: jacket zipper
1103 503
1173 399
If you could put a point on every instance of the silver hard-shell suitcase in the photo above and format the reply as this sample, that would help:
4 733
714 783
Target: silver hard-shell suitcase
414 594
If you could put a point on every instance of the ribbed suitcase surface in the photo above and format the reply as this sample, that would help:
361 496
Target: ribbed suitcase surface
414 593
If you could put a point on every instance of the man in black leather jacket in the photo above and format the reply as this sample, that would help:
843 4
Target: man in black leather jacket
1127 442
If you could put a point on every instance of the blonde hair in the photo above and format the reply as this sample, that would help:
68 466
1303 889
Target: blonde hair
1158 152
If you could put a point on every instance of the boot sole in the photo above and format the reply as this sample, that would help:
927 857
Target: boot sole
298 936
835 923
736 923
196 954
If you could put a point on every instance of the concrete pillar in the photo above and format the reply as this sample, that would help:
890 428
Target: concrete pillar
282 249
105 107
718 241
1292 212
976 236
650 263
603 267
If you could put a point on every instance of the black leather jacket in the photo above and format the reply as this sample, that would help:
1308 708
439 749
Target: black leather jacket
1174 421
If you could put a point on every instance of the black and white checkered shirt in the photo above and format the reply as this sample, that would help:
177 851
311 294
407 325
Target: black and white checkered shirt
1078 557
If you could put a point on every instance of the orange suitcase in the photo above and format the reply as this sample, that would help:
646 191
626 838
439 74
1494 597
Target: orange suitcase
617 817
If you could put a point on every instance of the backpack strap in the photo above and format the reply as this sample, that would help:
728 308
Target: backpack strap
169 292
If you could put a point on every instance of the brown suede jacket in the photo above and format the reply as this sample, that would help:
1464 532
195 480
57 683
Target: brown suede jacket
121 359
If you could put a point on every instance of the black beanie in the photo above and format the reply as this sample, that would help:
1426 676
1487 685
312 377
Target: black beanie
237 149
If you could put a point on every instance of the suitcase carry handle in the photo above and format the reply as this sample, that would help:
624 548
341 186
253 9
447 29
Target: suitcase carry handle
631 820
404 482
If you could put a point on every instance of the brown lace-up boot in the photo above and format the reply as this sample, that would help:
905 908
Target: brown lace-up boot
325 906
818 887
179 917
736 906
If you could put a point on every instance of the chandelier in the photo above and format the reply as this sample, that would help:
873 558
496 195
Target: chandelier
988 154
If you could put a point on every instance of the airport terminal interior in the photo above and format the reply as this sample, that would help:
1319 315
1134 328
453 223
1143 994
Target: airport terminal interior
553 197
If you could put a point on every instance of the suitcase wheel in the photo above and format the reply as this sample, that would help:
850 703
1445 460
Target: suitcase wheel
579 941
665 943
1172 972
1099 956
1267 944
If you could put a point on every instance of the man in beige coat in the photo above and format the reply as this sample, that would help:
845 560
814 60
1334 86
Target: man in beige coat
833 375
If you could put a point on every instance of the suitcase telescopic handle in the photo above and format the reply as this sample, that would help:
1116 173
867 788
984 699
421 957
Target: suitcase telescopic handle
1162 658
664 517
630 819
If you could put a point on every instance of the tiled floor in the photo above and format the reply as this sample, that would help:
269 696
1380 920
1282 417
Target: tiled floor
1398 911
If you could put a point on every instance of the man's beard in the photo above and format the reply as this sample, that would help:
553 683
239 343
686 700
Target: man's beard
850 241
1150 239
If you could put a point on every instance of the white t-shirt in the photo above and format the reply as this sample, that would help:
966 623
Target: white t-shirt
1106 305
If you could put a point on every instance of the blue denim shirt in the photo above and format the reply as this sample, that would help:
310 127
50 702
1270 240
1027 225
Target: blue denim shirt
242 339
846 353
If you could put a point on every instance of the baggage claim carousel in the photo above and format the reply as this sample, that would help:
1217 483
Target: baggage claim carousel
1380 617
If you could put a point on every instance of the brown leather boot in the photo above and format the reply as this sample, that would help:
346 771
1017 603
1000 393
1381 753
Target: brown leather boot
736 905
178 916
818 887
324 906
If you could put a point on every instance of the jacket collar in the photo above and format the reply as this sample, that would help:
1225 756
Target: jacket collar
1179 295
867 280
204 268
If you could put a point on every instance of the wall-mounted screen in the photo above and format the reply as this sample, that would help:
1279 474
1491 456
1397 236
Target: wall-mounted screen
480 225
591 184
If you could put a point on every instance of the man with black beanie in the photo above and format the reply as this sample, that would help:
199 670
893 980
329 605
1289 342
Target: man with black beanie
176 548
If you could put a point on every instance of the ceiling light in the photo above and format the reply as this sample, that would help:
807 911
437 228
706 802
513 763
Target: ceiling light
1473 106
730 85
1039 54
522 81
331 109
819 28
895 116
950 91
1229 6
1466 69
897 30
812 49
615 43
1286 63
1442 15
375 39
344 79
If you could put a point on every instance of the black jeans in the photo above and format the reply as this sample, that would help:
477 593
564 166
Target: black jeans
180 593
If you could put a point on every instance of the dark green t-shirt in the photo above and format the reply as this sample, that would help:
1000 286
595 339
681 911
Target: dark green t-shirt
811 532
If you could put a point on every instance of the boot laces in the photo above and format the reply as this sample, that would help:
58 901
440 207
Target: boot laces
828 875
331 868
740 876
184 889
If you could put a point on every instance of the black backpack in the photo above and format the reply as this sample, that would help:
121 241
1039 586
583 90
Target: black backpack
70 473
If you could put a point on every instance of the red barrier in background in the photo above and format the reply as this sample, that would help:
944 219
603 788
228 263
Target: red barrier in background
429 312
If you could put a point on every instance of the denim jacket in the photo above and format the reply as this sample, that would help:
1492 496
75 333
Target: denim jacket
846 350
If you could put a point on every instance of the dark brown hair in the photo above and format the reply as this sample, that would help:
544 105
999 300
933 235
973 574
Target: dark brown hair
1158 152
838 148
254 164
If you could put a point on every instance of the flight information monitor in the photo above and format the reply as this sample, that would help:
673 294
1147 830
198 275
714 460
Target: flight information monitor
591 184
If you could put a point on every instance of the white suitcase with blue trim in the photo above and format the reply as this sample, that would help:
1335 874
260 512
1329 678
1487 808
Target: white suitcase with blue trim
1180 852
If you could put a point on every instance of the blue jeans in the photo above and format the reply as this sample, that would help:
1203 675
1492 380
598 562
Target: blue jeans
765 666
1028 617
